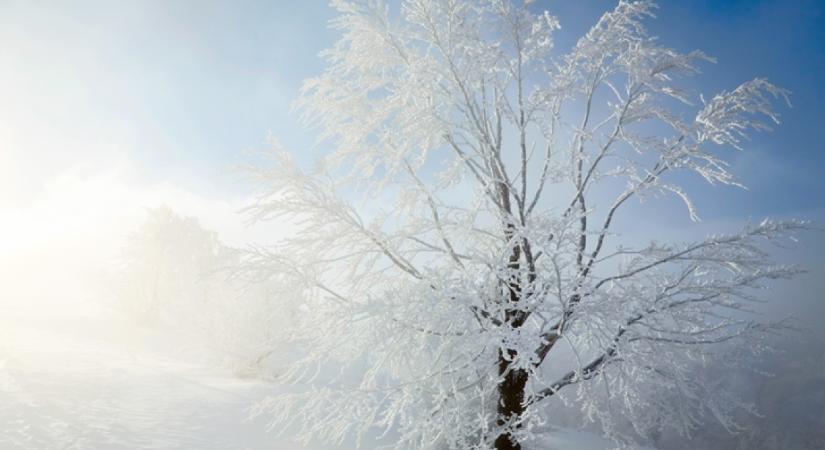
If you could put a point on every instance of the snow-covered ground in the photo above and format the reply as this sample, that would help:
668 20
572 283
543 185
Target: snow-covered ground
92 381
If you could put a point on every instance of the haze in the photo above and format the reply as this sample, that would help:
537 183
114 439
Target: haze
113 112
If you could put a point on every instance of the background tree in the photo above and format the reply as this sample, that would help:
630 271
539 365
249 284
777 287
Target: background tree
173 273
456 258
165 263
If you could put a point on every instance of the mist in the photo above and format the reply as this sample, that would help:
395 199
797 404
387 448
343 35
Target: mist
136 311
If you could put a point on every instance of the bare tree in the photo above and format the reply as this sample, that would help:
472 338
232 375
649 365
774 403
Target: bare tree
458 241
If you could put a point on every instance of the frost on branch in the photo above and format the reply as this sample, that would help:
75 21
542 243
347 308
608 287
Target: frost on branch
727 117
457 270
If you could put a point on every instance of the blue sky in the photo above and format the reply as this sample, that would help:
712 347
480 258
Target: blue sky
179 92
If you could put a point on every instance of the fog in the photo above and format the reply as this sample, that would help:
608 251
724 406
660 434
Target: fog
82 368
85 362
124 319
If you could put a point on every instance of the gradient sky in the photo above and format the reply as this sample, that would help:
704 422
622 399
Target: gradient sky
110 105
180 90
175 93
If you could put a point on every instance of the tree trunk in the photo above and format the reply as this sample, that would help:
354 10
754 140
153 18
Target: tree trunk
511 389
511 399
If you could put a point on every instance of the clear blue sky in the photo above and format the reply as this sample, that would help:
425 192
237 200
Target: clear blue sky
182 89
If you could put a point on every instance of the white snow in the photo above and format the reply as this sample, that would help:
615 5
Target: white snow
92 381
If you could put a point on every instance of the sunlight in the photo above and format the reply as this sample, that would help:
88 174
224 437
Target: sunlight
56 250
51 248
480 230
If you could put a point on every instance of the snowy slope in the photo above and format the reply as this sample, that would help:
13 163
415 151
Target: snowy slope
95 382
87 383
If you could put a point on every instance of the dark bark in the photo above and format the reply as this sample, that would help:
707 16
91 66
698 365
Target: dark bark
511 399
511 403
511 389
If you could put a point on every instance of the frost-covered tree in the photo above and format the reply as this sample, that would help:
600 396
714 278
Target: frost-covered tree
174 273
164 263
456 260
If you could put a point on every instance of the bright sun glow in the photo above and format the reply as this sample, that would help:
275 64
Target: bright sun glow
71 233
